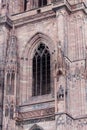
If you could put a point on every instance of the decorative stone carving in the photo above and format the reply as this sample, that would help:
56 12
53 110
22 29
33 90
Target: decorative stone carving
60 66
35 114
31 121
69 121
60 94
60 120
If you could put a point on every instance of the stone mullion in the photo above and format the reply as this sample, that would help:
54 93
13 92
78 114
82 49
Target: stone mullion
41 75
46 72
36 90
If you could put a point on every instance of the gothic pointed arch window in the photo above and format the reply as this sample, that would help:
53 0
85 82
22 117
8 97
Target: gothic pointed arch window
41 71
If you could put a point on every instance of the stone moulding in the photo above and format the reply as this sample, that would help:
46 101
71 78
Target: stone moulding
6 20
35 114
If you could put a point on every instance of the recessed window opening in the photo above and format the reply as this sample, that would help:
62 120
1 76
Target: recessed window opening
25 5
42 3
41 71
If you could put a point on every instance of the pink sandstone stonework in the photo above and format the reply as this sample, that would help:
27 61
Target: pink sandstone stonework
43 64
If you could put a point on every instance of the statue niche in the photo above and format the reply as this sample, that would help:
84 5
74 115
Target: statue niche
10 83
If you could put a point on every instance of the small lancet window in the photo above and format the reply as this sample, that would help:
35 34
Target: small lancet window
25 5
11 112
41 71
6 111
12 82
8 83
42 3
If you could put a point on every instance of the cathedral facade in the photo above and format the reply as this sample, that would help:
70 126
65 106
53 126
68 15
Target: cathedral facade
43 64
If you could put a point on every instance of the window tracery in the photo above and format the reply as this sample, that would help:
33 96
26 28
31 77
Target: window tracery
41 71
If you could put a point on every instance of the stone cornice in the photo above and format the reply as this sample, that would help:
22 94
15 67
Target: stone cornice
66 119
38 115
45 13
34 18
6 20
70 8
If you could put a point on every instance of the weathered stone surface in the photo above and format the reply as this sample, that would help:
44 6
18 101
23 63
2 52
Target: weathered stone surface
62 26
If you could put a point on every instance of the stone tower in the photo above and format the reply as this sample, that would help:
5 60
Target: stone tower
43 64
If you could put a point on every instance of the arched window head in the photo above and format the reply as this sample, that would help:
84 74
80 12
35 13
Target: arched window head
36 127
41 71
